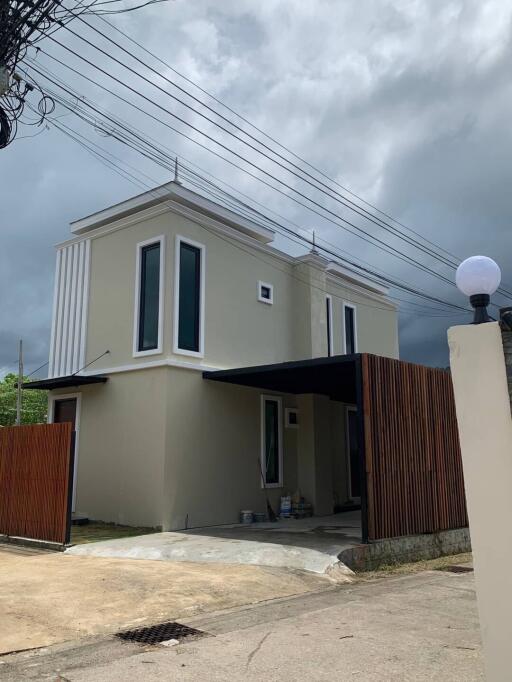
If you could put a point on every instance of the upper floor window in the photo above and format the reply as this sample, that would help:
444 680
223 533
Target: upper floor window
189 298
149 297
265 292
328 317
349 328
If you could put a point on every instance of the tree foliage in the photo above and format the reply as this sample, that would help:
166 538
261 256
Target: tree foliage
34 403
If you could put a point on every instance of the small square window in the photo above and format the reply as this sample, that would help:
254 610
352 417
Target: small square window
291 418
265 292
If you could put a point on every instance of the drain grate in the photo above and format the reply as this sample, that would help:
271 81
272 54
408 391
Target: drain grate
155 634
456 569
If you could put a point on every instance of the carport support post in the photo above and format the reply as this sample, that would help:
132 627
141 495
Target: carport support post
485 429
361 445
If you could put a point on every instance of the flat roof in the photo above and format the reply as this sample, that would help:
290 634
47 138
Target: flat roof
65 382
333 376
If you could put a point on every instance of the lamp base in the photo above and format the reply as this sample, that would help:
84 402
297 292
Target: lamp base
480 303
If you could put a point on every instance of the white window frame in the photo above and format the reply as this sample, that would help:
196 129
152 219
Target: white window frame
349 408
353 307
287 412
263 461
262 299
329 326
136 309
51 411
202 250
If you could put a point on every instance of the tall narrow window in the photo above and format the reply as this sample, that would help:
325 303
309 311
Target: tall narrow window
148 300
189 280
328 317
349 319
271 441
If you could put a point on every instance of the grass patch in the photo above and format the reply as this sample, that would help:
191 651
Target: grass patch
416 566
96 531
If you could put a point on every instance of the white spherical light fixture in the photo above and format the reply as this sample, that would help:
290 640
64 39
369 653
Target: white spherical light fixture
478 277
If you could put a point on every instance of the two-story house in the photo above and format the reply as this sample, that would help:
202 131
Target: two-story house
154 293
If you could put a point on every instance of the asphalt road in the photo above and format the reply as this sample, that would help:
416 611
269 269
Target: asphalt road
409 628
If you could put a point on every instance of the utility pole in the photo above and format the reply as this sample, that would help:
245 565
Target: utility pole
20 381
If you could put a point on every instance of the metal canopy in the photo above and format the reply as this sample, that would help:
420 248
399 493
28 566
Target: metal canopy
334 377
65 382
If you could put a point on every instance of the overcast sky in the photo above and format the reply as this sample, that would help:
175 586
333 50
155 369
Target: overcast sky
407 103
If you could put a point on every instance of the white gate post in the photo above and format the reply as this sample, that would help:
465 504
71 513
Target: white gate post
485 430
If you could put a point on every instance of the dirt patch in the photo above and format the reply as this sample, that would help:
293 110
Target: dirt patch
50 598
96 531
416 567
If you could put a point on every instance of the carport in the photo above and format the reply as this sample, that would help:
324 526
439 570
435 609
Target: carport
409 457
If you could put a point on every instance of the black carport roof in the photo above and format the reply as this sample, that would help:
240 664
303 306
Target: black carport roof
334 376
65 382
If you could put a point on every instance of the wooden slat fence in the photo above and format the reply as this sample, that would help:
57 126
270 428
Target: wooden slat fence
412 455
35 481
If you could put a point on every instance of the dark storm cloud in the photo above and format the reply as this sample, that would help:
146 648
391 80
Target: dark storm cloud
407 103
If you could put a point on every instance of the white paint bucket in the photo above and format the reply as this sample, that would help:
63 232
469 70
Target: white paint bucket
286 505
246 516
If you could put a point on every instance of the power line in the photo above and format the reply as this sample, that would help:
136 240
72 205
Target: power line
304 281
236 207
367 238
272 139
167 166
393 283
340 197
37 370
23 23
231 151
388 280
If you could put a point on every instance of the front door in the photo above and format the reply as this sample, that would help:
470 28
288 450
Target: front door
354 474
65 410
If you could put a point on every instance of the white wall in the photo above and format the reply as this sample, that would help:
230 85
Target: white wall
485 430
70 305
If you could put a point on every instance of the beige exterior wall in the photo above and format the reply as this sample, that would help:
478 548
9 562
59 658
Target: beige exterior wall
239 330
485 429
340 464
164 448
121 448
159 446
376 320
213 470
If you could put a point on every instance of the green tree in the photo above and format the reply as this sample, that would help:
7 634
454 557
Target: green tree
34 404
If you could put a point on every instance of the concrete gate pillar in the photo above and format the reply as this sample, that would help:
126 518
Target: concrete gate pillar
479 375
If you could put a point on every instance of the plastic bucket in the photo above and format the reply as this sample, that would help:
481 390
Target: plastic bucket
246 516
286 505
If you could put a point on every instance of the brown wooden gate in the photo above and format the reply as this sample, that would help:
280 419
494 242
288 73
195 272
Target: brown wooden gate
36 473
414 479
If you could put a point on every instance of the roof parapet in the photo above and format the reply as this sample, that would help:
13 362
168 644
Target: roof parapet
368 282
174 192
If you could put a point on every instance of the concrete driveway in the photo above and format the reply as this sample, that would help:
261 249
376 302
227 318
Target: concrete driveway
52 597
311 544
